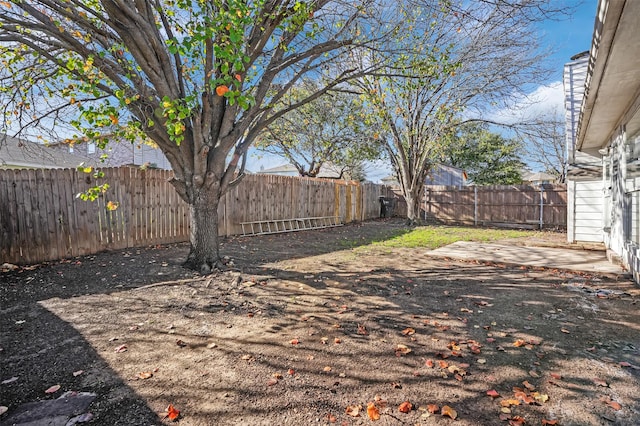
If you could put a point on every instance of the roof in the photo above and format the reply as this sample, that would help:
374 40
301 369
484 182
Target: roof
537 177
326 171
20 153
613 79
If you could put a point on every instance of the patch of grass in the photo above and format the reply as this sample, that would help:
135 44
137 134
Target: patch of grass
432 237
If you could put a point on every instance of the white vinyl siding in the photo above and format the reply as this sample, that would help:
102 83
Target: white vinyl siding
588 211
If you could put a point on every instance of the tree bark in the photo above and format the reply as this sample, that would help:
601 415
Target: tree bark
412 198
204 254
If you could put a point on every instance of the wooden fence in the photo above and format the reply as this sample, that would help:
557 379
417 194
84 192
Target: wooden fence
42 219
513 205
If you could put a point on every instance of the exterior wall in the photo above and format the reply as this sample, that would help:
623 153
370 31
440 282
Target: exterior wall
585 212
585 208
622 197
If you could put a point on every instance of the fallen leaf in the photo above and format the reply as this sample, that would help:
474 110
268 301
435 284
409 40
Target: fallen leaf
528 385
3 409
624 364
616 406
429 363
294 341
600 382
181 343
121 348
272 381
433 408
448 411
291 372
362 330
53 389
372 411
408 331
564 330
327 368
549 422
443 364
145 375
505 416
247 357
337 341
277 376
9 380
77 373
519 343
517 421
493 393
402 350
540 397
534 373
509 402
353 410
331 418
556 376
405 407
172 413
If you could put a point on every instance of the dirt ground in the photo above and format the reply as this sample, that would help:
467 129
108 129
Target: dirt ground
312 327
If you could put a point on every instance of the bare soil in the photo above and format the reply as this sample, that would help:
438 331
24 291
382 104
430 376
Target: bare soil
311 327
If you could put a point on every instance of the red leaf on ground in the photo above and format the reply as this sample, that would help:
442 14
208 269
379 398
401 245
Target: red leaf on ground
362 330
272 381
405 407
121 348
294 341
556 376
433 408
429 363
493 393
549 422
172 413
408 331
291 371
517 421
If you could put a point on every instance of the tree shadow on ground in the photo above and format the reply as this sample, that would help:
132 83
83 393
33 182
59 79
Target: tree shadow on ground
221 346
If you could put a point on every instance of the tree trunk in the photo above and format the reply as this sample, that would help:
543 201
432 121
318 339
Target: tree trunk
413 207
204 254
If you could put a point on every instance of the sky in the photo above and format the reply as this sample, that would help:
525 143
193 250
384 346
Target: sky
564 39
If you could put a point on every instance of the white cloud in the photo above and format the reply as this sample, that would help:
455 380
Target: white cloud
542 100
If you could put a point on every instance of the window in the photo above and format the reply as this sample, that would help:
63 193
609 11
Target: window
91 148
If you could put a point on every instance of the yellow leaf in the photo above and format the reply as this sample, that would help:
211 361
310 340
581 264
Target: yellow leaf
448 411
372 411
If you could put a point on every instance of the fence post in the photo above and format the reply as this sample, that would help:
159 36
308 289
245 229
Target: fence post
475 205
541 205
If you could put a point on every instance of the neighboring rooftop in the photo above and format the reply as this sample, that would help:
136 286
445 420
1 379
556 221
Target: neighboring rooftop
22 154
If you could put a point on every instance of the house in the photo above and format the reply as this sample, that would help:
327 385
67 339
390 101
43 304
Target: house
604 169
538 178
439 174
22 154
327 171
118 153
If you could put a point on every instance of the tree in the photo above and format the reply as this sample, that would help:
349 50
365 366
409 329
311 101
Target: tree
474 57
487 158
331 130
200 78
544 140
